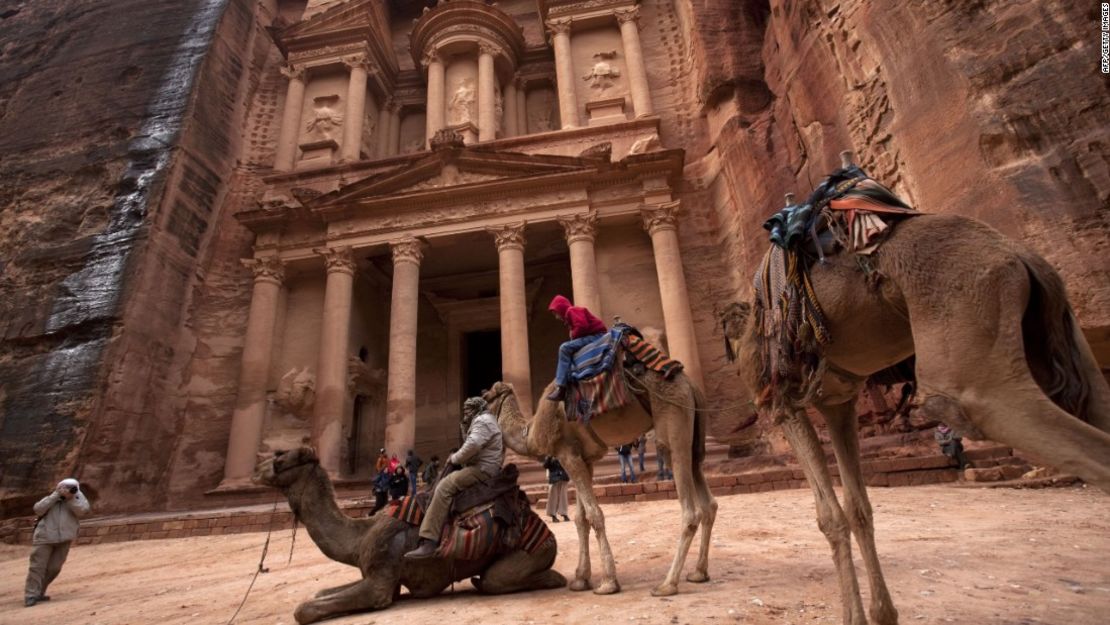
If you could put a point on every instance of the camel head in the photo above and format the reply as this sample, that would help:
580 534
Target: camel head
497 394
285 467
734 319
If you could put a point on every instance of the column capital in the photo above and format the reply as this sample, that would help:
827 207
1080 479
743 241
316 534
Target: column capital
559 26
357 60
661 216
266 269
293 72
629 14
392 105
580 227
484 47
407 250
520 82
508 236
337 259
431 56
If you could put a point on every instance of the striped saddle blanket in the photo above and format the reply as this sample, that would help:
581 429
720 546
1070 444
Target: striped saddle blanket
478 533
598 382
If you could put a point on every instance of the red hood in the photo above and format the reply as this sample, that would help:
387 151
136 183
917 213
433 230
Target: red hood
559 306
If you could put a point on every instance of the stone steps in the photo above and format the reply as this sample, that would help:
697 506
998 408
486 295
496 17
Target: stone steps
262 517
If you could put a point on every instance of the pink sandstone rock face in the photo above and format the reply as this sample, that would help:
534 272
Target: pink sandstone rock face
131 133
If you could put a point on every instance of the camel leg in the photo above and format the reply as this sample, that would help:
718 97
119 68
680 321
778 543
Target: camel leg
707 506
589 516
361 596
830 517
331 591
680 444
842 422
973 375
1098 403
519 570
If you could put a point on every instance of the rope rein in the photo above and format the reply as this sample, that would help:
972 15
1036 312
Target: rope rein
261 562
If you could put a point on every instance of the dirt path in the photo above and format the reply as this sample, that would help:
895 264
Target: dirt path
951 555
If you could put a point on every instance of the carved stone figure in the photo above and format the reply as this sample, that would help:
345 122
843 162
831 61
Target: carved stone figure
540 118
463 106
326 118
296 392
603 75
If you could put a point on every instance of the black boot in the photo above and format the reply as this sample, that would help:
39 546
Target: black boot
554 519
426 549
559 394
566 518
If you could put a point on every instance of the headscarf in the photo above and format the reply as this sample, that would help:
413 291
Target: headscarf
478 404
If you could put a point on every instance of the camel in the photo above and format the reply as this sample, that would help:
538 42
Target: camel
679 429
375 545
998 355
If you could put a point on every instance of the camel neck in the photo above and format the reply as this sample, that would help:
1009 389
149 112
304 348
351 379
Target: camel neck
312 499
514 427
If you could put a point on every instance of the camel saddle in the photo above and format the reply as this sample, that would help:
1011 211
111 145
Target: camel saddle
485 518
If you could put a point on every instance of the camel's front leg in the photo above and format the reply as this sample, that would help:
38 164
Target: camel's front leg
361 596
682 461
830 517
331 591
842 422
589 516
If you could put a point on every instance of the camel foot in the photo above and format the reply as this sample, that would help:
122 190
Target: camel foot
664 590
579 585
608 587
885 615
698 577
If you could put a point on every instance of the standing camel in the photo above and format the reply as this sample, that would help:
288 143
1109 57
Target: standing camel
679 428
998 355
375 546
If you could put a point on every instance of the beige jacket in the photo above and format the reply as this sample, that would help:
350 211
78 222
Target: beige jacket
483 447
59 524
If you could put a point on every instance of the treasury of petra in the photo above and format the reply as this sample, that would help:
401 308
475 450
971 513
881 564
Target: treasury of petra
234 226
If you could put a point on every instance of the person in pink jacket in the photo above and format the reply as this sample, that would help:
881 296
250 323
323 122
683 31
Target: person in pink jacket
584 327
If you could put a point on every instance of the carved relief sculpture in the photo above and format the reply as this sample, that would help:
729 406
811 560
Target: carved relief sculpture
541 118
603 75
326 118
463 106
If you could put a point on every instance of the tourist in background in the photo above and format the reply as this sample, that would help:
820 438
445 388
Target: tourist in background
55 529
381 489
412 465
383 462
398 483
624 454
951 445
431 471
557 481
641 447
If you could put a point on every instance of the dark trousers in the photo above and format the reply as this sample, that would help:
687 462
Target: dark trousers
955 450
46 563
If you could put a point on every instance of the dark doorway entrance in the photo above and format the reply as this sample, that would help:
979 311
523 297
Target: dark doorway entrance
481 361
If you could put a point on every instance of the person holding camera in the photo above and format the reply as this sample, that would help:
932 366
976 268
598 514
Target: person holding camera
55 529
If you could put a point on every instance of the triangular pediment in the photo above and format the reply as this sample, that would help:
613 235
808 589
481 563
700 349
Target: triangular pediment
353 14
455 171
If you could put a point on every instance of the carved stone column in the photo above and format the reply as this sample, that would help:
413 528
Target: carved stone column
515 366
521 106
581 231
331 368
395 127
509 96
382 131
661 222
290 119
356 107
564 71
400 417
250 402
436 88
487 104
634 60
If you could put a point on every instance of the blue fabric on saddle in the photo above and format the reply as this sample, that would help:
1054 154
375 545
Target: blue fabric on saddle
597 356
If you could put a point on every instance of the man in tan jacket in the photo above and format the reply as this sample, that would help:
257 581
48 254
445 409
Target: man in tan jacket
478 460
55 529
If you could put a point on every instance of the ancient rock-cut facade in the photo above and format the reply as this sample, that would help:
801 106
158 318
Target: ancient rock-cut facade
268 222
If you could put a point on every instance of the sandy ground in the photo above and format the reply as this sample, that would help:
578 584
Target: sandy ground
951 555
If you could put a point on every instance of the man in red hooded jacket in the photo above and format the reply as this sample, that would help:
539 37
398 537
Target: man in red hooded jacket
584 327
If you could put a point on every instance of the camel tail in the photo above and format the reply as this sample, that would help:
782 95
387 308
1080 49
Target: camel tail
1050 338
699 427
